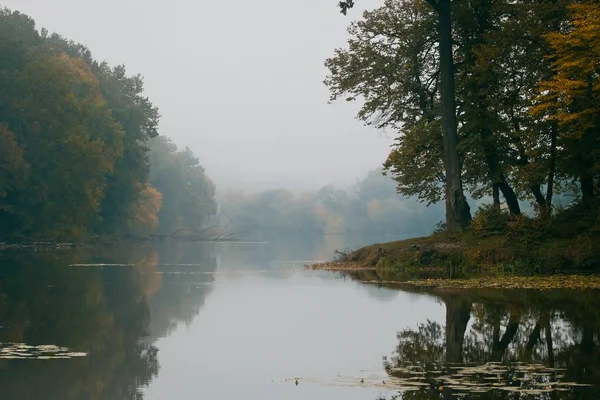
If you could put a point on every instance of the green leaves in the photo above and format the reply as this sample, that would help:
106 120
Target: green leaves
505 53
71 143
187 193
345 6
74 136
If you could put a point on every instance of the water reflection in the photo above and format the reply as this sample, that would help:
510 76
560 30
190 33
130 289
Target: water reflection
252 316
503 344
187 273
100 312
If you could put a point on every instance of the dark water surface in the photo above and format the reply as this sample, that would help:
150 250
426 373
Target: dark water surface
244 321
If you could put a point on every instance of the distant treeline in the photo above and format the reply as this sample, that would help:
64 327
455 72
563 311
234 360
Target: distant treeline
80 151
372 207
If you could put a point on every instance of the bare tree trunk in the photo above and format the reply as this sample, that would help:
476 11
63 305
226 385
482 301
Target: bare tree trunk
458 213
551 168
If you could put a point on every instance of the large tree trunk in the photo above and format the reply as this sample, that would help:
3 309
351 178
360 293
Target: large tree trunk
458 213
458 313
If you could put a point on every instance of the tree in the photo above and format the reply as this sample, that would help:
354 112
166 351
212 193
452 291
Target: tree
138 118
71 142
571 98
187 193
457 209
145 212
458 213
74 135
500 54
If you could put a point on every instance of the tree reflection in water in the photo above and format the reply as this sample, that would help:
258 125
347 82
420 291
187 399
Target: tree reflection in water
103 312
502 345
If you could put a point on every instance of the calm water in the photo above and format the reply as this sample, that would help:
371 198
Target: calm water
244 321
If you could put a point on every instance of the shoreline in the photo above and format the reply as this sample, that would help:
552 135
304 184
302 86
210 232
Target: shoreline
471 259
590 281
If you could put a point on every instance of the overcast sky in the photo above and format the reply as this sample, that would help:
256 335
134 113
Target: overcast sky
239 81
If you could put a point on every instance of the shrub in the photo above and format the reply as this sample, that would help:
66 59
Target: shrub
490 220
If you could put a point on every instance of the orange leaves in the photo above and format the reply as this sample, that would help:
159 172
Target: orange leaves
12 166
145 213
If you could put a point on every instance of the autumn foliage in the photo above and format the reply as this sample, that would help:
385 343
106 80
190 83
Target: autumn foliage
74 140
527 77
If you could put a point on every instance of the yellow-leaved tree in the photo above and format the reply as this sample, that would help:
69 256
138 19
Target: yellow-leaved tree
145 212
571 97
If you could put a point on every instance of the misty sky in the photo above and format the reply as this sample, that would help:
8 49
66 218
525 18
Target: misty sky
238 81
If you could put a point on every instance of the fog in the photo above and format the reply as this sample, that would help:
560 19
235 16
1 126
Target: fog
240 82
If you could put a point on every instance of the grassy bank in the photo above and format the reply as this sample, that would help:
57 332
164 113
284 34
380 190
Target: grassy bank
497 244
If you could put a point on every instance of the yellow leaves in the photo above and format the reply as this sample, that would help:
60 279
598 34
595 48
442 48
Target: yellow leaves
572 96
72 142
145 213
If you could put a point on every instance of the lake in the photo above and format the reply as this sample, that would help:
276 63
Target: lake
247 321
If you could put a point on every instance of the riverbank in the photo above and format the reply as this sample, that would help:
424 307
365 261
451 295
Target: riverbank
497 245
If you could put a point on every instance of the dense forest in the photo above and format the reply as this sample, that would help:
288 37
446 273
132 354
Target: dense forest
80 151
525 80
